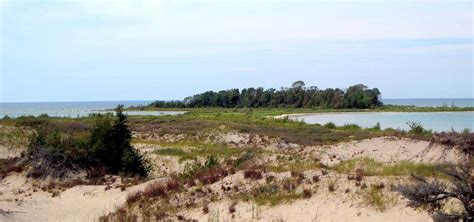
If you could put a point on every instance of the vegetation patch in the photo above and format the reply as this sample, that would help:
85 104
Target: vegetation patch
298 165
10 165
434 194
463 141
170 152
105 149
379 199
270 194
14 136
371 167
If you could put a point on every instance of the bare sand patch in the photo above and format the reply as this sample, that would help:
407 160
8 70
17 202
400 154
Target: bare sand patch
6 152
80 203
391 150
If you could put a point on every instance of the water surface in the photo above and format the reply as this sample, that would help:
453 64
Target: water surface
458 102
72 109
437 121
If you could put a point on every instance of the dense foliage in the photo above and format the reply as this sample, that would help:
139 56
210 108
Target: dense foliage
56 153
297 96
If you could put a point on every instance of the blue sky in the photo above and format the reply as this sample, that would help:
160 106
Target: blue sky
143 50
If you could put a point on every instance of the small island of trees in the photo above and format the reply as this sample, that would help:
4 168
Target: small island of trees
297 96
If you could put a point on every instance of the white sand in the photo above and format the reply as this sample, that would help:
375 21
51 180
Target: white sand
6 152
391 150
80 203
88 203
322 206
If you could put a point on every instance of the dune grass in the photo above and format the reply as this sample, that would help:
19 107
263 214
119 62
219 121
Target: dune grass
378 199
169 151
372 167
188 150
269 194
294 166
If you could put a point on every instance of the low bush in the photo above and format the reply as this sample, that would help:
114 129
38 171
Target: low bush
307 193
330 125
253 174
58 154
434 194
463 141
245 158
10 165
349 127
211 175
156 189
207 173
133 197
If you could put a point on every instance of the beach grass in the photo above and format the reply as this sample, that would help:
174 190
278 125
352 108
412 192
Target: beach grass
373 167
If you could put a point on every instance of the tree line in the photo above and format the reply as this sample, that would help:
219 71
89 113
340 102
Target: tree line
297 96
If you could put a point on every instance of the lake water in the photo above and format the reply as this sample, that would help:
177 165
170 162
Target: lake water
442 121
72 109
459 102
437 121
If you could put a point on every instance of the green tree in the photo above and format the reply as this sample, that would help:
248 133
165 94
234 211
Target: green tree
110 142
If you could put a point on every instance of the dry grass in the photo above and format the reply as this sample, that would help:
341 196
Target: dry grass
253 174
10 165
134 197
316 178
212 175
378 199
232 207
332 185
156 189
462 141
307 193
205 208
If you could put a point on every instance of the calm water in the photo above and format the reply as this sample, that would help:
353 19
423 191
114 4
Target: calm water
71 109
442 121
466 102
439 121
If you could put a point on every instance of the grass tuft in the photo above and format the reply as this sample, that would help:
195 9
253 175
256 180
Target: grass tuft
371 167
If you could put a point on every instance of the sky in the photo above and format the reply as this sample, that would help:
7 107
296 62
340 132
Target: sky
70 50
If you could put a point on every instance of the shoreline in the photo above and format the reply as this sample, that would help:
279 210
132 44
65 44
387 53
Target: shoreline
356 112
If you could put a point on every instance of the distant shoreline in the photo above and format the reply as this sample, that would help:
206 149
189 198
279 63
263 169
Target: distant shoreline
355 112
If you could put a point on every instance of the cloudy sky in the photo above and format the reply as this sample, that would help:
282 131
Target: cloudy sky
70 50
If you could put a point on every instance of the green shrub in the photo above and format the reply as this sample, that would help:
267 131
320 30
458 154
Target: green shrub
330 125
415 128
54 153
376 126
349 127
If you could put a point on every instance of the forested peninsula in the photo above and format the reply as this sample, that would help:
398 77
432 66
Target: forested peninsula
297 96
